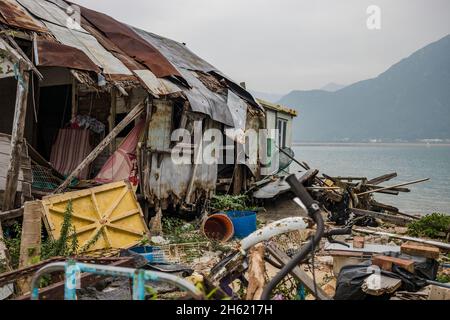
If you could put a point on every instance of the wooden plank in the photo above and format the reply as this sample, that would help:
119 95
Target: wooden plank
137 110
30 243
256 271
420 250
297 273
11 214
382 178
386 263
393 187
441 245
17 141
398 220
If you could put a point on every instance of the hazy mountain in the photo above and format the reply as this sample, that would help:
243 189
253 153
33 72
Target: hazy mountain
409 101
332 87
271 97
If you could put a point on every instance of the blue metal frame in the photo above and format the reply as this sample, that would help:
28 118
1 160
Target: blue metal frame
73 270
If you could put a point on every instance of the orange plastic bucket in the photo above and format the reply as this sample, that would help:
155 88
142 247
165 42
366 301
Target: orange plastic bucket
218 227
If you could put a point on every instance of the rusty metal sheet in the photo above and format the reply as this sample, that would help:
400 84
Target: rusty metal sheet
48 11
177 53
183 58
54 54
157 86
205 101
131 43
168 181
15 16
91 47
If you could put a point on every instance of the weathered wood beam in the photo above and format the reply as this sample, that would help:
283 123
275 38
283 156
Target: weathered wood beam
30 243
11 214
131 116
393 187
397 220
256 271
382 178
16 141
441 245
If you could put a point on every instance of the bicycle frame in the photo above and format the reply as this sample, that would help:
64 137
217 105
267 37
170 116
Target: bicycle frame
139 277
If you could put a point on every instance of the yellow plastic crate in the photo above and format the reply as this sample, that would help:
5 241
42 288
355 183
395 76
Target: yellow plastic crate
104 217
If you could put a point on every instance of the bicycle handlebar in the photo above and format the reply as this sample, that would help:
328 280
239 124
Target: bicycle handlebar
301 192
314 212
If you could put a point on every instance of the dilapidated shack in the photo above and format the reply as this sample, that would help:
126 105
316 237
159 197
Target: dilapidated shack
88 100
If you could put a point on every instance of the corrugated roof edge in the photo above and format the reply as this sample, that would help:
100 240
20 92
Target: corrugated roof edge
277 107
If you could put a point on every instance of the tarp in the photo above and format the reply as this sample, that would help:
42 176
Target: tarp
122 165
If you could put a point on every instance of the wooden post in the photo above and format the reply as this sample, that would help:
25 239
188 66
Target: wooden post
112 118
30 243
18 130
99 149
74 98
238 179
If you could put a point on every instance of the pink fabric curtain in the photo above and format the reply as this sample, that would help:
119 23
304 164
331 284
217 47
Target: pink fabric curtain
122 164
70 149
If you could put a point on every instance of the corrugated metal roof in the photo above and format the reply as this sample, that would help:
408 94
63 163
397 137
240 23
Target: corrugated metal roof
14 15
131 43
277 107
55 54
91 47
121 50
47 11
177 53
158 86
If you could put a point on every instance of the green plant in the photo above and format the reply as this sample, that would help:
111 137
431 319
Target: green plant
67 244
443 278
13 246
232 203
179 231
436 225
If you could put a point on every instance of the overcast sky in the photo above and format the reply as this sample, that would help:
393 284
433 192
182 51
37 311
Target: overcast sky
276 46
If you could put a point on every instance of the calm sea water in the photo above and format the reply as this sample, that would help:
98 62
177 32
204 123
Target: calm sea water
411 162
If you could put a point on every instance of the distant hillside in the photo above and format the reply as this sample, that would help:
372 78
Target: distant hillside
333 87
271 97
409 101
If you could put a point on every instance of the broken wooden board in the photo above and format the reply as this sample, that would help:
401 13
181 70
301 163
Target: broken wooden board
386 263
378 284
30 243
413 249
297 273
108 216
397 220
25 176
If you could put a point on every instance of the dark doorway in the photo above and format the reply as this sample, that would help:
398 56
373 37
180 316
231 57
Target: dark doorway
55 105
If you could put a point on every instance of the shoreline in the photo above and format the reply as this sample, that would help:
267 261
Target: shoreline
369 144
